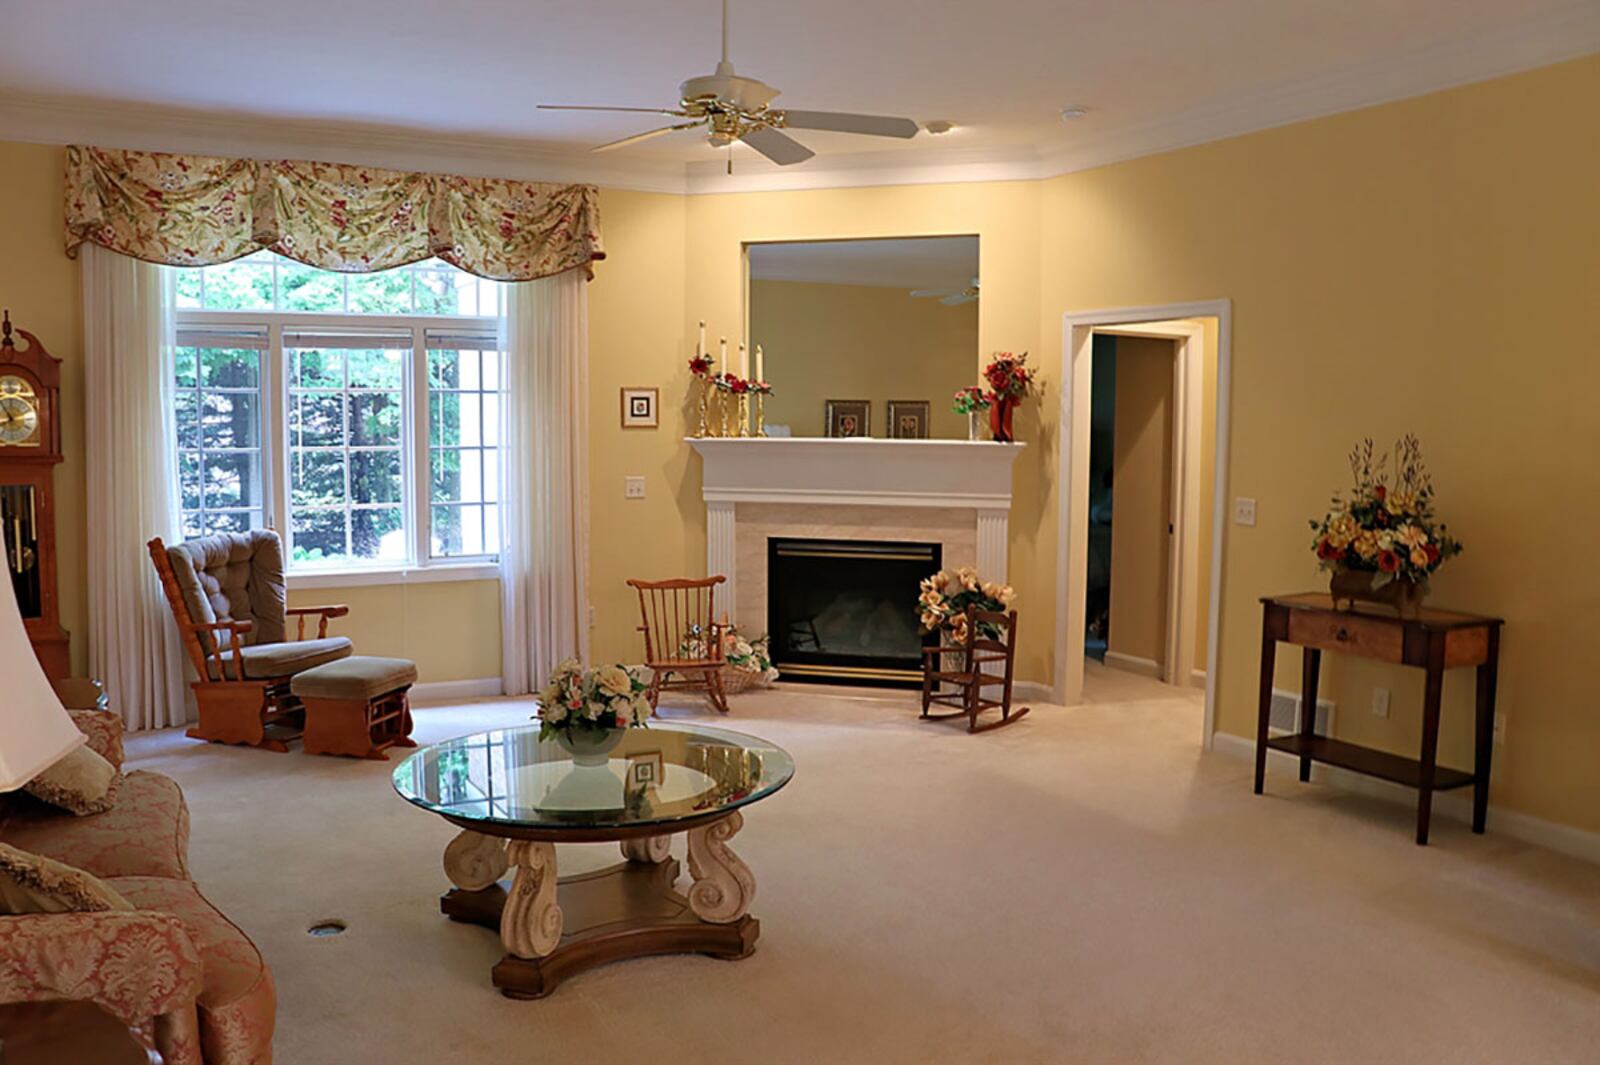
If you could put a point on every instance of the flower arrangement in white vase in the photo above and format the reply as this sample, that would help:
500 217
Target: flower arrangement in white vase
587 711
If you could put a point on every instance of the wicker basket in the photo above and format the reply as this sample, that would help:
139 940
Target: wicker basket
735 681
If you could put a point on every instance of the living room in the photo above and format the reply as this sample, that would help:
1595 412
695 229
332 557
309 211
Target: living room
1356 219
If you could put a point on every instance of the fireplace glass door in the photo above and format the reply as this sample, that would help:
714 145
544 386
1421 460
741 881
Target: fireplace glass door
845 611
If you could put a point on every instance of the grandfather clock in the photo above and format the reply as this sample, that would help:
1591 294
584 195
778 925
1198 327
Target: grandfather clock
30 447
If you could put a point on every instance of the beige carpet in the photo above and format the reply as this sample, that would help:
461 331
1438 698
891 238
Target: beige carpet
1086 886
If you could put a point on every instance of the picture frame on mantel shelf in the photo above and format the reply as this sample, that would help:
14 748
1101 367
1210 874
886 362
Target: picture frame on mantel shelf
849 417
908 419
641 408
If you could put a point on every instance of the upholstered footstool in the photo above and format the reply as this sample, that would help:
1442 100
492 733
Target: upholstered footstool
356 706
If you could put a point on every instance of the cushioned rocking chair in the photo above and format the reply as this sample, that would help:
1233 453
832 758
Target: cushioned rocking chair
231 602
989 637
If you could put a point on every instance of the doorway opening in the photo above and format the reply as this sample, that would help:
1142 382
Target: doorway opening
1143 461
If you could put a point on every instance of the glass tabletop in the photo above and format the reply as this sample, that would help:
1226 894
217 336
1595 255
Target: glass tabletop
652 776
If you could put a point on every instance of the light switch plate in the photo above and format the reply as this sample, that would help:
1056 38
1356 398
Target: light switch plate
633 488
1380 702
1244 511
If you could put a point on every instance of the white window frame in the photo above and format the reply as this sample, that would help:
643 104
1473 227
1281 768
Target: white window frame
274 382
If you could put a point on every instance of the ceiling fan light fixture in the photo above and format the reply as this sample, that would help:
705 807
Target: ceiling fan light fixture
939 126
1072 112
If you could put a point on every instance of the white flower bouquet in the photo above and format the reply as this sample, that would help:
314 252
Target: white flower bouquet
595 699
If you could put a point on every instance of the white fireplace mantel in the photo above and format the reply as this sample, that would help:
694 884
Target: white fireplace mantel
826 472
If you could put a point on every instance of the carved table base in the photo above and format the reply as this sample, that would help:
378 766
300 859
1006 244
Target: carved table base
553 928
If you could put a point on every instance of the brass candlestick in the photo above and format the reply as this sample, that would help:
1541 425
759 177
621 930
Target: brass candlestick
744 414
704 430
761 414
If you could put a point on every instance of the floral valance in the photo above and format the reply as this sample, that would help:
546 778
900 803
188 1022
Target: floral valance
194 210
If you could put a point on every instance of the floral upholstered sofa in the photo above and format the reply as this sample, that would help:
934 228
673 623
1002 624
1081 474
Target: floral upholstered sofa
174 969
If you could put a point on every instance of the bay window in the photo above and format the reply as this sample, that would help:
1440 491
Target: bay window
358 415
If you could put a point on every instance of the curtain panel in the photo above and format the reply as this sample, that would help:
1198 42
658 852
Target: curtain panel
195 210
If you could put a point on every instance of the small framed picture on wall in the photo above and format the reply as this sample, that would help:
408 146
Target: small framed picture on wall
639 408
908 419
849 417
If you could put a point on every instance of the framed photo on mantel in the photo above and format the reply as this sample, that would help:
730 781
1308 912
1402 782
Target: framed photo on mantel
908 419
849 417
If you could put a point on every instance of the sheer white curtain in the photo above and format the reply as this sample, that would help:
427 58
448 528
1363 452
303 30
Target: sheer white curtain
544 495
132 485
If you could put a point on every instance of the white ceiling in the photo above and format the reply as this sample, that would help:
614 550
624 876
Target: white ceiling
909 263
1154 73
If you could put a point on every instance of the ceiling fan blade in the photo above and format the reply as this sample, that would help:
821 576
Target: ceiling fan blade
781 149
590 107
637 137
957 300
927 292
843 122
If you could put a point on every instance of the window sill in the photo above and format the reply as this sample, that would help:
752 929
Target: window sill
358 578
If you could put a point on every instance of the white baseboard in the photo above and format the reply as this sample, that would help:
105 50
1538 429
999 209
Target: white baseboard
455 691
1456 805
1133 664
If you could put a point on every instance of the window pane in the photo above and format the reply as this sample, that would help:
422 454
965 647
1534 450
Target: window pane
241 285
183 368
444 369
232 521
188 288
436 294
446 479
232 479
305 288
316 420
375 477
187 411
386 292
312 368
317 477
230 419
491 530
371 368
318 535
228 368
491 371
446 531
378 534
374 419
491 475
189 480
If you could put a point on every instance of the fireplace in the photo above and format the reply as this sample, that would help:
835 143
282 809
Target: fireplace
844 611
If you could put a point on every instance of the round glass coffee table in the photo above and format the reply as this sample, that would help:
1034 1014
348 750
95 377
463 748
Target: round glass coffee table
514 797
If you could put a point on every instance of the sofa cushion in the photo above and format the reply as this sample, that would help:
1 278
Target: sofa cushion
359 677
32 883
283 659
238 1002
80 782
145 834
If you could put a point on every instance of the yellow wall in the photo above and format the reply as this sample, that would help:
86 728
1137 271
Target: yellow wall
1427 265
451 629
861 342
1141 498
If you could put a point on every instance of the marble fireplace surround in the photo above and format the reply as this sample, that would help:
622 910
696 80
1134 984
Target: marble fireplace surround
954 493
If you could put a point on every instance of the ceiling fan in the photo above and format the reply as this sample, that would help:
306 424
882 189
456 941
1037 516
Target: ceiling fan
734 108
950 297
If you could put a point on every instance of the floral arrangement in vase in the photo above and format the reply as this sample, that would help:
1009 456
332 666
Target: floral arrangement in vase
972 401
749 660
1009 379
587 710
1383 542
945 597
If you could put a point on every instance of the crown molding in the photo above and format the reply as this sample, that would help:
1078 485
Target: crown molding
1567 33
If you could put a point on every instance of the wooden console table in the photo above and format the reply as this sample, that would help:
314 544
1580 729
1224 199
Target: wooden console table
1436 640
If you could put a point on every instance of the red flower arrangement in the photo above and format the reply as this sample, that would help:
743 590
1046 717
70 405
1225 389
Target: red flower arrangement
972 399
701 365
761 388
727 382
1009 380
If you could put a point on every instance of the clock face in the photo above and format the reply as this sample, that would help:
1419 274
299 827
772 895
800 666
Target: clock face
19 419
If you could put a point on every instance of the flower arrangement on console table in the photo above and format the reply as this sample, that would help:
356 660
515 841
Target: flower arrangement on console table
588 710
749 660
972 401
1383 543
945 597
1009 380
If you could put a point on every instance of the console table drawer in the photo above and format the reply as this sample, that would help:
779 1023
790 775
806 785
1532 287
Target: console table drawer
1359 636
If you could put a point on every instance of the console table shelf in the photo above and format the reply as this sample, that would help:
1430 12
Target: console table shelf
1434 640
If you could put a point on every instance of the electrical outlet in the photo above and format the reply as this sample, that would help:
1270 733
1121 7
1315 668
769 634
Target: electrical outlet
1244 511
1499 728
633 488
1380 702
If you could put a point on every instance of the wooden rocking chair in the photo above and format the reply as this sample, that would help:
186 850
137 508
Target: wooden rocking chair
228 595
682 636
970 679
